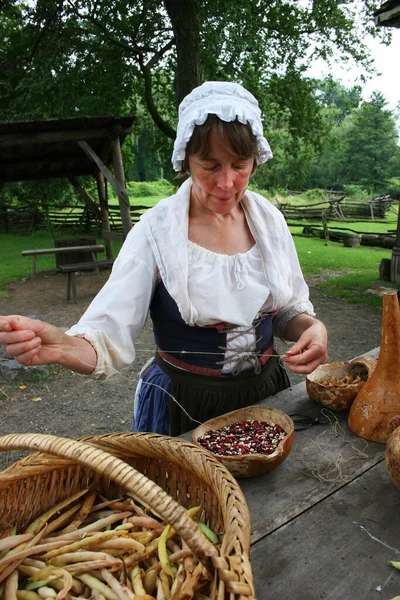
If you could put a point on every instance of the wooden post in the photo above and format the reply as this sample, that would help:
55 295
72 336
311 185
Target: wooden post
123 197
105 220
395 262
3 210
326 230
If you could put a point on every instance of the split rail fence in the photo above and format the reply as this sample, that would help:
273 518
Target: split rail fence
337 207
25 219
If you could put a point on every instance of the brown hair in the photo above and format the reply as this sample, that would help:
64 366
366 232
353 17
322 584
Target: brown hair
240 137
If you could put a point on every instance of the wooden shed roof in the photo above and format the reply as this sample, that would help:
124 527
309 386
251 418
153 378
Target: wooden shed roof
50 149
388 14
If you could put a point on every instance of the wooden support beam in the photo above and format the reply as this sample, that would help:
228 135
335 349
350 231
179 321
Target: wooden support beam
105 170
118 182
85 196
41 137
123 198
105 219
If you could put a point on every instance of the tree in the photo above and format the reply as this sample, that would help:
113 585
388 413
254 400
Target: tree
332 93
372 149
92 56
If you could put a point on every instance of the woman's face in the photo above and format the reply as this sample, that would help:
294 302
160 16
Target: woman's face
221 179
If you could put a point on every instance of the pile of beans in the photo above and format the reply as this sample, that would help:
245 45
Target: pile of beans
245 437
88 547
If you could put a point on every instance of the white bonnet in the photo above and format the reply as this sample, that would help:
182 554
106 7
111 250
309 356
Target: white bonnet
229 101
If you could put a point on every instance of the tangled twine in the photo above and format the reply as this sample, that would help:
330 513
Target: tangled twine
329 456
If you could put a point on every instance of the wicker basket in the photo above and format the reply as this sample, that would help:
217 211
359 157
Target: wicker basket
162 471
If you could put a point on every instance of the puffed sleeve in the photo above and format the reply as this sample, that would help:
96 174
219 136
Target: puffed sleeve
118 313
299 301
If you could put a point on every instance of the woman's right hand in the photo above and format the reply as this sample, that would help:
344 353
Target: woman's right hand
32 342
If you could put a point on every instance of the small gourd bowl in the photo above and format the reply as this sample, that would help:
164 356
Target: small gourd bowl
351 375
251 465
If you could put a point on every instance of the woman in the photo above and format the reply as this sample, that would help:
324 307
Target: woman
216 266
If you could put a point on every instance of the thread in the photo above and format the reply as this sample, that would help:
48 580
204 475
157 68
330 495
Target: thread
323 458
172 398
138 350
238 355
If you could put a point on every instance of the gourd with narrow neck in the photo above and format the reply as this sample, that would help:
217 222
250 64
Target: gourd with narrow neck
375 412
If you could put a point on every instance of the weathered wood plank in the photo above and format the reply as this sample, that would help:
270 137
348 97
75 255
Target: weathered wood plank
305 491
338 550
63 250
41 137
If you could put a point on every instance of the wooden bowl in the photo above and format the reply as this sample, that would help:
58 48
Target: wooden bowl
392 456
251 465
339 395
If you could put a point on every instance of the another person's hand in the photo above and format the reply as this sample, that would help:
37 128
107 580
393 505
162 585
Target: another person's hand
310 349
32 342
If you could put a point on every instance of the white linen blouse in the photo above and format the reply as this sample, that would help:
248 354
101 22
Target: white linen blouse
208 287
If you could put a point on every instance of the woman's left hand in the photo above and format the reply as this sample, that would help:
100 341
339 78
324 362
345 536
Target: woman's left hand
311 347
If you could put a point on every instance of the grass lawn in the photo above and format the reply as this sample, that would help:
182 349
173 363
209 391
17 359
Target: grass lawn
14 266
346 272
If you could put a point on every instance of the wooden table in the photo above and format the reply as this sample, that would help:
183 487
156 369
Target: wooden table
311 540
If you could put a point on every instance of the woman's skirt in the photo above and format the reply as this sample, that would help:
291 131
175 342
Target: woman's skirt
172 401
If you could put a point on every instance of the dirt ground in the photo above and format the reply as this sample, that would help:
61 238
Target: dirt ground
66 404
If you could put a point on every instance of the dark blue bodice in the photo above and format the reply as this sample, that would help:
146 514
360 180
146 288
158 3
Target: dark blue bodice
199 349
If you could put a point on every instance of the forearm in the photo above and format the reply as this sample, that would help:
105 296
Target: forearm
295 328
78 355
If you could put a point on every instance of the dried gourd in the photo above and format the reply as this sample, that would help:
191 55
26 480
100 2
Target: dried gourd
375 412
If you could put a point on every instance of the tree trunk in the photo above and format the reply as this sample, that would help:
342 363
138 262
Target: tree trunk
186 25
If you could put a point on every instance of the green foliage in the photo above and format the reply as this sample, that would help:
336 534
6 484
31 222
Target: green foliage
360 147
371 145
393 187
90 57
41 193
331 93
355 192
152 152
311 197
162 188
52 67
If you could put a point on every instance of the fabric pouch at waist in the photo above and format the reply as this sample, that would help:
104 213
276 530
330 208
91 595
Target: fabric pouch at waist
204 397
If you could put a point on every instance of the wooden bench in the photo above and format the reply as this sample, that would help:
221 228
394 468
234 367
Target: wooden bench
70 270
92 249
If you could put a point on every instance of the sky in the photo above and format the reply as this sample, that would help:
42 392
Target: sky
386 60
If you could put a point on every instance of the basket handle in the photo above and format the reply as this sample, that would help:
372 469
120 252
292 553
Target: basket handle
126 476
